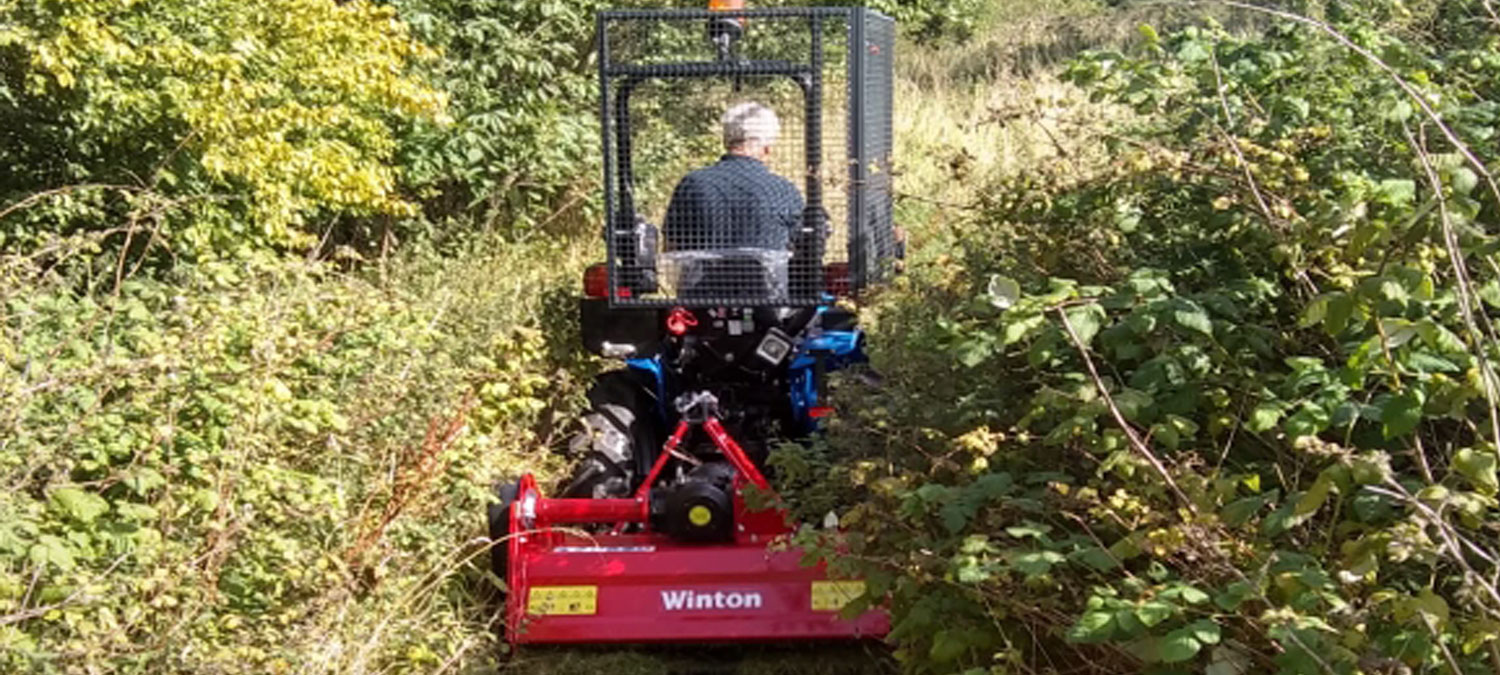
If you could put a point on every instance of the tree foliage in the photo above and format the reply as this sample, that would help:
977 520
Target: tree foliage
219 125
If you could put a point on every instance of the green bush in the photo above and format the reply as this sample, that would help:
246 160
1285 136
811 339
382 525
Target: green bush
207 128
268 466
521 76
1227 407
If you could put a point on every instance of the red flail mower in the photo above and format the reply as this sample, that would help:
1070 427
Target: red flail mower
571 586
727 320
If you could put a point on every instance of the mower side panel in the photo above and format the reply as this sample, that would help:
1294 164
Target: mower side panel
638 589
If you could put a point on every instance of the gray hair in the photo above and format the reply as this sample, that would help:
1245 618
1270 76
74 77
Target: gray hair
750 124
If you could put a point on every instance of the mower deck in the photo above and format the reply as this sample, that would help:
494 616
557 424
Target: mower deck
641 589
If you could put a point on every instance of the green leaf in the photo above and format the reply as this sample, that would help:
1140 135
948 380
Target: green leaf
1096 558
1279 521
1315 312
1399 415
1036 563
1431 607
1205 631
1019 327
974 352
1086 321
1440 338
1192 595
1490 294
1004 292
947 646
82 506
1133 403
1239 512
1092 628
1464 180
1166 435
1400 111
1426 363
1233 596
1308 421
1478 466
1149 33
1340 310
1398 191
955 517
1029 530
52 550
1153 612
1179 645
1194 319
1370 468
1193 50
1265 416
1313 500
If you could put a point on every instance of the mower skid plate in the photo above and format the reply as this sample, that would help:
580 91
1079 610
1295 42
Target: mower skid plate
642 589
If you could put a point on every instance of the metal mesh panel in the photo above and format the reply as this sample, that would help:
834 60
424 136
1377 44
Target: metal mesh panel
871 143
728 162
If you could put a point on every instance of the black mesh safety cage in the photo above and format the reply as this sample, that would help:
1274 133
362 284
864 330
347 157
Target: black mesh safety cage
747 154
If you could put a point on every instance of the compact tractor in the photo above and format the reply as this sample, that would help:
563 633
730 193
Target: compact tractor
727 339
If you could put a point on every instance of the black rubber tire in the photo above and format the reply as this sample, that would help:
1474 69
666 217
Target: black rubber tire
622 408
499 526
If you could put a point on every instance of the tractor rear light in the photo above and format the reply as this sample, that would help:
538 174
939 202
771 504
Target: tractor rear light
596 283
836 279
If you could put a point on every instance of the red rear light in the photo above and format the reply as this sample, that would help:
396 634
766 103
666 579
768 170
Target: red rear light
596 281
836 279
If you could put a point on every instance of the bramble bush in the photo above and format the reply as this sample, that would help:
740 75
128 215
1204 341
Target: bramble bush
268 466
1226 405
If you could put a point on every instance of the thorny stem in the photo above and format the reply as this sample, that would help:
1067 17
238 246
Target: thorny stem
1450 540
1465 286
1135 437
1260 197
28 201
1411 91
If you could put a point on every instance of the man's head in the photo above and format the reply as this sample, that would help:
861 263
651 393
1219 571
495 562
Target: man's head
750 129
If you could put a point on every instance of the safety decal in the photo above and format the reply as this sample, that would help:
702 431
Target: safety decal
831 596
563 600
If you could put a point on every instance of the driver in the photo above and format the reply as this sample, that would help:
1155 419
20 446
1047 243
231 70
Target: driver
737 202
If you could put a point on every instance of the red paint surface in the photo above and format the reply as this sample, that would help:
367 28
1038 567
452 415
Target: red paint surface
630 608
632 571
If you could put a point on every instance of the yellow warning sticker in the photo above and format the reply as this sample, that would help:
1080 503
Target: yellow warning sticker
831 596
563 600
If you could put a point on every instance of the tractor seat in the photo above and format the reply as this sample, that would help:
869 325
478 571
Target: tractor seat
727 274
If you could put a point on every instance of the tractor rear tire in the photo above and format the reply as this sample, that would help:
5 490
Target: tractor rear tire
499 525
620 428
